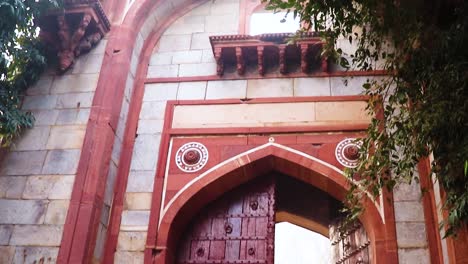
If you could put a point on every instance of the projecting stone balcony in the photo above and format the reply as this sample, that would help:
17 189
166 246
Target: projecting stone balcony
268 54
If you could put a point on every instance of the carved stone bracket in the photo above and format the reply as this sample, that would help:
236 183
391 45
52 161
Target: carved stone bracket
261 68
268 53
240 61
74 30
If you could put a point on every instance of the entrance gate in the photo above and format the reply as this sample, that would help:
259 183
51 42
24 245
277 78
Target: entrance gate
239 228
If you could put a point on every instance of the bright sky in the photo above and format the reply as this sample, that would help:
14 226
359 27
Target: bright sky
267 22
297 245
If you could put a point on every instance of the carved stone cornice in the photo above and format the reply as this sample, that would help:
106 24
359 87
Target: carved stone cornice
268 52
74 30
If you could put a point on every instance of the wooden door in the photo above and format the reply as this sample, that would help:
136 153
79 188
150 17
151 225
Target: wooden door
237 228
350 247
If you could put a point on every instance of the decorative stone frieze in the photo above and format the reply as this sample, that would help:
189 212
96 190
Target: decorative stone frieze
74 30
268 53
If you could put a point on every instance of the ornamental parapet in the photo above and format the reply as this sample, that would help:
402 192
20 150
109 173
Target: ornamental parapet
283 53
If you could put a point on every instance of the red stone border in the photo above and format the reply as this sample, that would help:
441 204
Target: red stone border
131 127
430 212
254 164
80 229
266 76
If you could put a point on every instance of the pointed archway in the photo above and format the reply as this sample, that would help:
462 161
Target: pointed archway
245 167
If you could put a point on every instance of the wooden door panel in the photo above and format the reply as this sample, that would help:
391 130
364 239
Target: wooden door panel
237 228
217 249
350 247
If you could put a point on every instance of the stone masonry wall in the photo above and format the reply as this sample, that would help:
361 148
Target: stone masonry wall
37 175
184 50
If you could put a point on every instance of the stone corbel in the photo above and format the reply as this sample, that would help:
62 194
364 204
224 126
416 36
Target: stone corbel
304 62
282 60
260 57
219 61
240 61
75 30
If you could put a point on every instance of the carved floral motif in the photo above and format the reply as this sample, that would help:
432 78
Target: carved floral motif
347 152
191 157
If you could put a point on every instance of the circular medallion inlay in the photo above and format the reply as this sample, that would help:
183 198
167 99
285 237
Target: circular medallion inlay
347 152
191 157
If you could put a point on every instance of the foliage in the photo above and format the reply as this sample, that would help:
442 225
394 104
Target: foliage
422 107
21 61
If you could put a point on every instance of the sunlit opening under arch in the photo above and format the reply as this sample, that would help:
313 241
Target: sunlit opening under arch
295 244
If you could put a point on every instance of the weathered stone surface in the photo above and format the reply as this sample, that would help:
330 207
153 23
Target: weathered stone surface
159 71
174 43
5 234
75 100
160 92
76 83
110 182
134 64
45 117
36 235
39 187
269 88
39 102
12 187
200 41
7 254
407 192
66 137
192 91
57 212
409 212
224 7
312 87
150 127
411 235
62 187
140 181
413 256
88 64
145 152
197 69
131 241
353 87
61 162
73 117
41 87
33 139
222 23
184 57
153 110
126 257
135 220
138 201
100 240
202 10
23 163
208 56
22 212
163 58
187 25
36 255
226 89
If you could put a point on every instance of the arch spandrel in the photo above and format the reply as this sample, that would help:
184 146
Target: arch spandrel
247 166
